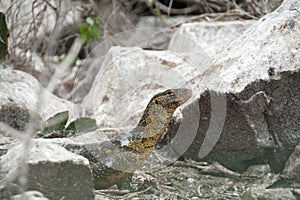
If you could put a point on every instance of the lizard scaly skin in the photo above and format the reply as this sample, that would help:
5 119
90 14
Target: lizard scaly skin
113 162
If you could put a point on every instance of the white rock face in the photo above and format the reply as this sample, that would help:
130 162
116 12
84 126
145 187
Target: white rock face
262 47
212 37
128 78
259 73
24 90
40 151
30 195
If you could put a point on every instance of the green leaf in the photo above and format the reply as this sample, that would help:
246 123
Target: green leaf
62 57
84 29
81 125
89 21
94 32
165 16
90 29
56 122
157 12
99 22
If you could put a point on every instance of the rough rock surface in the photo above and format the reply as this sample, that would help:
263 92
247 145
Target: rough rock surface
292 166
158 30
22 96
259 74
141 70
128 78
249 96
154 21
52 170
212 37
270 194
30 195
257 171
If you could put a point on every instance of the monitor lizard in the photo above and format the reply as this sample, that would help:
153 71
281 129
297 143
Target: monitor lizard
113 162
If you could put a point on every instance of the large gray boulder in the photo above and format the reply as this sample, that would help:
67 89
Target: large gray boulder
126 81
259 75
129 76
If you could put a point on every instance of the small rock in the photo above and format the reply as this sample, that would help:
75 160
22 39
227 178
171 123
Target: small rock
52 170
30 195
257 171
268 194
292 166
22 95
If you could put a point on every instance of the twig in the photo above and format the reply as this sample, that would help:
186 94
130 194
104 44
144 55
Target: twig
170 6
128 193
191 164
112 191
62 69
213 17
166 9
216 169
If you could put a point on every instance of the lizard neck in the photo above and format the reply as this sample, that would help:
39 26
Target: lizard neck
157 120
151 127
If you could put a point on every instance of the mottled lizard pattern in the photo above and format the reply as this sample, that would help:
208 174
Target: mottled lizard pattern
119 159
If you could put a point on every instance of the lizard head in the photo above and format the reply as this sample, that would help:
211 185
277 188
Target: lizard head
172 98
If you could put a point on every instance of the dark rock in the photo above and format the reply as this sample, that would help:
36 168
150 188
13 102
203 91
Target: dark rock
261 125
14 115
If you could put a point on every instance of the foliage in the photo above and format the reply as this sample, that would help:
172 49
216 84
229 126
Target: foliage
156 11
56 126
90 29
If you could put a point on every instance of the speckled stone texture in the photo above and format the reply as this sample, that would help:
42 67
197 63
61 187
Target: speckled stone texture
259 76
52 170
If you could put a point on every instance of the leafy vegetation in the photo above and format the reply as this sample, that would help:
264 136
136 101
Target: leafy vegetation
90 30
56 126
156 11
